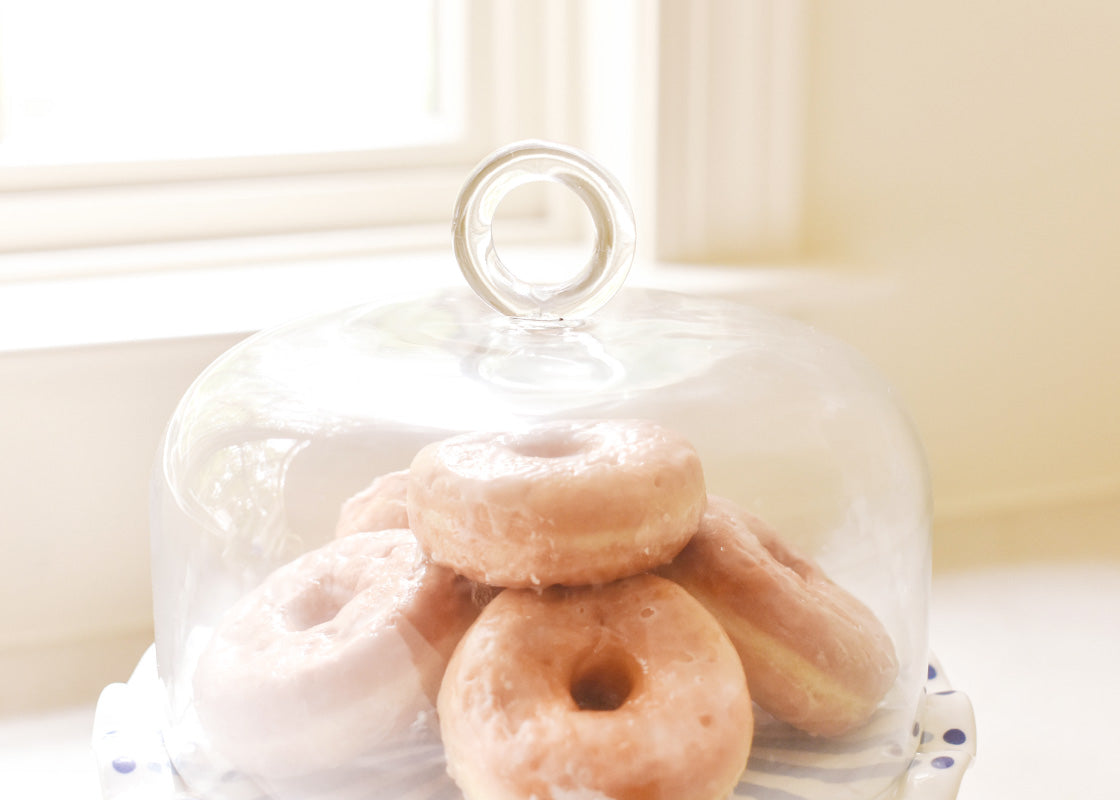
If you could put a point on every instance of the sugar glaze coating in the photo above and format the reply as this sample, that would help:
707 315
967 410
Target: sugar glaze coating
380 506
628 691
572 502
335 654
815 656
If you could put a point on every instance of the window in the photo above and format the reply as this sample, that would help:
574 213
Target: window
132 121
128 81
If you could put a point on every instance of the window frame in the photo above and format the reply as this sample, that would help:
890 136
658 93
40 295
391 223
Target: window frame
714 177
729 160
314 197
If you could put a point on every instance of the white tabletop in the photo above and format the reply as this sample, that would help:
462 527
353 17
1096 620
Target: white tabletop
1036 648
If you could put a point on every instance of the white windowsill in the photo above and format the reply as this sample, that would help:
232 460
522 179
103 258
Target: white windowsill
135 303
187 301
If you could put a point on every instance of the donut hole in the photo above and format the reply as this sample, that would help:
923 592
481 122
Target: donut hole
318 605
604 681
546 444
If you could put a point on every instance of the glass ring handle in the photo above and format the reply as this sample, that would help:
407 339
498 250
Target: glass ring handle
472 227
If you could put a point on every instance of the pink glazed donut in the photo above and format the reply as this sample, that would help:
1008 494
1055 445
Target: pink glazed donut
815 656
628 691
334 655
380 506
570 502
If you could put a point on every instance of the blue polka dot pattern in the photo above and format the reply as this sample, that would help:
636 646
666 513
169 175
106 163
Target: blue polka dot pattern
954 736
785 768
124 765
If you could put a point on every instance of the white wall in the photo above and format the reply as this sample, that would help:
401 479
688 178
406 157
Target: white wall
78 431
966 157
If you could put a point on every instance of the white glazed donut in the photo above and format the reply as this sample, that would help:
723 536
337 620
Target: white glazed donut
380 506
627 691
571 502
334 655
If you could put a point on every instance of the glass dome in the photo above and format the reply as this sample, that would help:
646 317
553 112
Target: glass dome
298 453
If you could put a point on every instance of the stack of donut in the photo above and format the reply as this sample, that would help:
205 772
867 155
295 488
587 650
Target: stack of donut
584 617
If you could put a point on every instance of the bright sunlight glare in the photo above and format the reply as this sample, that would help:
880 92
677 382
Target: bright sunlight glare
137 80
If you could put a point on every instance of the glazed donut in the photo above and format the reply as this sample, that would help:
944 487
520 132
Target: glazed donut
379 507
628 691
815 656
334 655
568 502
